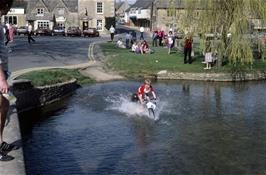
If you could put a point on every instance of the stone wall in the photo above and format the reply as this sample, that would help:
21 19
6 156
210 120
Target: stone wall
240 76
29 97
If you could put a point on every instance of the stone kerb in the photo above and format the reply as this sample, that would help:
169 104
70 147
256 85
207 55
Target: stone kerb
165 75
30 97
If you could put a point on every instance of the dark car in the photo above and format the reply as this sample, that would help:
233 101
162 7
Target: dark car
58 31
22 30
91 32
73 31
43 31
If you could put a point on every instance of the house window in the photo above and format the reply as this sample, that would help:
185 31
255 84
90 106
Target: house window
11 20
99 7
40 11
99 24
43 24
139 11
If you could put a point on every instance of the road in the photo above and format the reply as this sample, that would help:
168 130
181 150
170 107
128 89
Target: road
54 50
49 51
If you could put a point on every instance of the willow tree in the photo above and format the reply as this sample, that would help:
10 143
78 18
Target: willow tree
231 21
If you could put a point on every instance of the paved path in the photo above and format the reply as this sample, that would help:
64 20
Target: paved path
59 52
12 135
96 70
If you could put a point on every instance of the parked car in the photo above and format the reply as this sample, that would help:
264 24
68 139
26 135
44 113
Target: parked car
43 31
91 32
58 31
22 30
73 31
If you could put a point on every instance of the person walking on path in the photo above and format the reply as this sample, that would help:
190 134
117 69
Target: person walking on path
30 33
141 33
4 87
6 32
188 50
9 32
112 32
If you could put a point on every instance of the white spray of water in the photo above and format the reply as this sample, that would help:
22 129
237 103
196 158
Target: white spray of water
124 105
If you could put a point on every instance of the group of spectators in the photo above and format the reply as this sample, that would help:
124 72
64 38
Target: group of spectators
136 46
163 39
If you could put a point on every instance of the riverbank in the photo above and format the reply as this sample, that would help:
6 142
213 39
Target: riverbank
161 65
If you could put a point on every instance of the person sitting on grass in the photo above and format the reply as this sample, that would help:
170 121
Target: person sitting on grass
120 44
134 47
138 49
145 48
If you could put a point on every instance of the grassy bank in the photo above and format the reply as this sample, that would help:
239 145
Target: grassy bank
53 76
133 65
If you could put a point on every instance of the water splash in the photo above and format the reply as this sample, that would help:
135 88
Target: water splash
124 105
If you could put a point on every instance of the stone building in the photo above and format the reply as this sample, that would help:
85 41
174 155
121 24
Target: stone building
48 13
17 14
66 13
92 13
139 14
120 10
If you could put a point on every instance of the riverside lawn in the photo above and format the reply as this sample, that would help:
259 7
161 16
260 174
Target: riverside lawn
136 66
54 76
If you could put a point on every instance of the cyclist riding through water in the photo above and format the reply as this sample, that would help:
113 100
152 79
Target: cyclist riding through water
146 91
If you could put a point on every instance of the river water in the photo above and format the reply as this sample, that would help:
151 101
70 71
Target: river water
203 128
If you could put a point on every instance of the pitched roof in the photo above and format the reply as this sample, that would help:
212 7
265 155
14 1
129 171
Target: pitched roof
142 4
19 4
50 4
72 5
118 5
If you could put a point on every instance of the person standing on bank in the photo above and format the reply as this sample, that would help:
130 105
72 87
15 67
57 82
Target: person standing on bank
30 33
112 32
188 50
5 5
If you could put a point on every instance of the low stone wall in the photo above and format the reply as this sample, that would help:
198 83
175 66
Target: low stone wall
30 97
240 76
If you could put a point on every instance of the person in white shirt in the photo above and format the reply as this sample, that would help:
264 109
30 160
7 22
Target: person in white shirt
120 44
112 32
30 33
170 42
134 47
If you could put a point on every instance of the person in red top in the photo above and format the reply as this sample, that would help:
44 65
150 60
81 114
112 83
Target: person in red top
146 90
188 50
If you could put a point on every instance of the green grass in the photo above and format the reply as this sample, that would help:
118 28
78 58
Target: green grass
136 65
54 76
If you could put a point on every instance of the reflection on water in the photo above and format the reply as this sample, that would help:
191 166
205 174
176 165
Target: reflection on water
204 128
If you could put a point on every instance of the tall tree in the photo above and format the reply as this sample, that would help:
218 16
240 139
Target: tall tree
227 17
